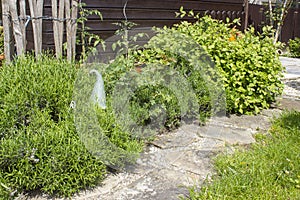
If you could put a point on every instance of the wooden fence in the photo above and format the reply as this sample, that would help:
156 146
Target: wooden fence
145 13
44 32
150 13
16 15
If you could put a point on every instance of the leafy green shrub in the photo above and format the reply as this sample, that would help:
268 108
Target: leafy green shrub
172 59
148 96
294 47
40 148
248 63
151 101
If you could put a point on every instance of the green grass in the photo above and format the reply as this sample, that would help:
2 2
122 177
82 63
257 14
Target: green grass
270 169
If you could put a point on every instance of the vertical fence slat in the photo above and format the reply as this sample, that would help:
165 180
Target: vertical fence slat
229 15
55 28
16 26
74 26
68 29
8 39
22 5
32 5
40 7
224 16
61 24
71 9
234 15
261 15
58 8
219 14
36 26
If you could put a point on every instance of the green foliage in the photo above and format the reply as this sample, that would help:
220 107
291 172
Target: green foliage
270 169
40 148
294 47
157 98
39 145
87 40
116 132
143 107
49 157
170 61
46 84
248 63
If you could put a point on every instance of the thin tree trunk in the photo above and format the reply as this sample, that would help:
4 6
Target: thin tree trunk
284 8
271 13
246 4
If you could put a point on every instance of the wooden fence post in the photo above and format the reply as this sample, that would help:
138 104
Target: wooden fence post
74 26
68 29
71 27
58 26
16 27
7 30
22 5
55 27
36 10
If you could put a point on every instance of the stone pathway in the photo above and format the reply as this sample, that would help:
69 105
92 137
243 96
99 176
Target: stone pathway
182 158
291 78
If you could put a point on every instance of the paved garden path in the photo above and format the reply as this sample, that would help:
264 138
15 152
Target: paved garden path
292 77
183 158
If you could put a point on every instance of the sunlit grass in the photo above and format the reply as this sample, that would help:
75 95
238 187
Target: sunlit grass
269 170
